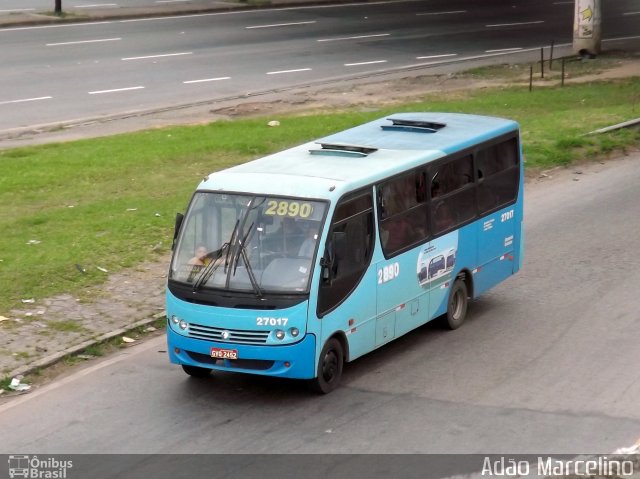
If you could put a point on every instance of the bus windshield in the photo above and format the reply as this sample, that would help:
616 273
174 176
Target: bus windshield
248 243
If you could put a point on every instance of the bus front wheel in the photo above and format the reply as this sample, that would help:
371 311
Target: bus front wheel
457 304
329 367
196 372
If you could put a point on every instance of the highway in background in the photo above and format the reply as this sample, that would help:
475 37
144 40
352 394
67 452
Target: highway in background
71 72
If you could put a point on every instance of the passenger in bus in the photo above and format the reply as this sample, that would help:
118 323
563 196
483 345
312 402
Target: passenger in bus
399 233
442 216
395 230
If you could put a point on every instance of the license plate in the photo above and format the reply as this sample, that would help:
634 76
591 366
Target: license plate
220 353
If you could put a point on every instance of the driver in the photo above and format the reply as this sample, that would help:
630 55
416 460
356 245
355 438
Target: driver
200 258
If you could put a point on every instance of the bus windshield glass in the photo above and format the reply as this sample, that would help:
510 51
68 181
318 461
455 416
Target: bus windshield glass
248 243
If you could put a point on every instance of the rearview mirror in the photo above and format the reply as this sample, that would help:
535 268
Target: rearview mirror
335 250
176 229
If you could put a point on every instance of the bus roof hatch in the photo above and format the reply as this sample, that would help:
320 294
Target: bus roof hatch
420 126
343 150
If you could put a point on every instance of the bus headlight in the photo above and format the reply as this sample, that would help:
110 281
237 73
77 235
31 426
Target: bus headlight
294 332
175 320
183 324
279 334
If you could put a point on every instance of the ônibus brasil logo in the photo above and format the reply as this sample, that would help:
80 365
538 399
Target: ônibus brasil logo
38 468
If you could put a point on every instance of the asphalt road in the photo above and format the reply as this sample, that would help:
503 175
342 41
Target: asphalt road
65 73
547 363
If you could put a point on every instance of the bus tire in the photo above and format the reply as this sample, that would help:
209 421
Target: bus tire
457 304
330 367
196 372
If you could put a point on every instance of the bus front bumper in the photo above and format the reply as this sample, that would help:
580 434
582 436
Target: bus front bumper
295 361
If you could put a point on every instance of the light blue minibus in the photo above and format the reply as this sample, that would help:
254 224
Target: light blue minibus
296 263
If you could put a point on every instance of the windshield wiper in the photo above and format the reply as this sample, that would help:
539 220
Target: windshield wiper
242 252
207 273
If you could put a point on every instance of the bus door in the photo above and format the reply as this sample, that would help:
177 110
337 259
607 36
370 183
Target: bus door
498 178
346 298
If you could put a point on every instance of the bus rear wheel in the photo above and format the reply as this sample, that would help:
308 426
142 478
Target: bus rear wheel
329 367
457 304
196 372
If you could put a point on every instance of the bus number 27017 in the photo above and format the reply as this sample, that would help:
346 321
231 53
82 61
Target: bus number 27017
506 216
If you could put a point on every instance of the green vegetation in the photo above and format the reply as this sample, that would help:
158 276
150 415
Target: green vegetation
4 383
65 326
69 209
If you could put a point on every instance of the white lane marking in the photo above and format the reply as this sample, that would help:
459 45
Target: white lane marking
18 10
515 49
631 13
206 80
364 63
615 39
84 41
441 13
358 37
115 90
96 5
280 25
290 71
477 57
437 56
157 56
172 1
26 100
514 24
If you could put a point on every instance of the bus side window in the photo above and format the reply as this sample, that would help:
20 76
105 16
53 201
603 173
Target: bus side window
402 211
452 193
346 261
498 175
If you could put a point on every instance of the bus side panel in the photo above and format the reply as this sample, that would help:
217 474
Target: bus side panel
496 239
453 252
400 295
519 229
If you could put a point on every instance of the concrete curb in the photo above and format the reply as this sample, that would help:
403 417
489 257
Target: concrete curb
58 356
618 126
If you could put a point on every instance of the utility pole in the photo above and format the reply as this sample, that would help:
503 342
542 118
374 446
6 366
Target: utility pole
58 7
587 32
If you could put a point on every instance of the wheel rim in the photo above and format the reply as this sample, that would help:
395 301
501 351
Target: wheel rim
457 305
330 366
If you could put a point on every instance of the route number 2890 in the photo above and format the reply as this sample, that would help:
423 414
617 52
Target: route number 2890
388 273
